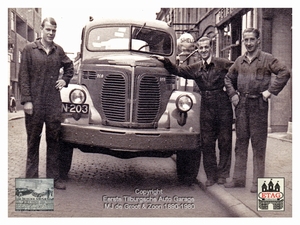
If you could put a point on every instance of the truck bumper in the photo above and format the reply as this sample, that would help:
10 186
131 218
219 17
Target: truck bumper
133 140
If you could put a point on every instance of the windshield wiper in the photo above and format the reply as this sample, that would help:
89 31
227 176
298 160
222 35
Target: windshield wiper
140 29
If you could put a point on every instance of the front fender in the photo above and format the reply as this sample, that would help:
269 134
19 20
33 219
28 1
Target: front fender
92 116
172 116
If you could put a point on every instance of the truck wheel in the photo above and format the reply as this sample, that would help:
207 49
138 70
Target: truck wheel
65 159
188 163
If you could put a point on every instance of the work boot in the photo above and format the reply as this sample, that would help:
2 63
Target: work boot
209 182
221 180
59 184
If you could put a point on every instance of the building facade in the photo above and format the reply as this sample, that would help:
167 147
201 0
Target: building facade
23 27
225 27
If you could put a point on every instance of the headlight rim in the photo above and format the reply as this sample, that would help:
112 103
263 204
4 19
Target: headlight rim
177 102
77 89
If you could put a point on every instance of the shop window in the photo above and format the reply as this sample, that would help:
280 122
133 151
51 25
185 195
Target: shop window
230 39
225 42
230 33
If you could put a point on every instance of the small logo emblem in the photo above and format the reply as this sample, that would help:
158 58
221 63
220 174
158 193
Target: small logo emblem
100 75
270 194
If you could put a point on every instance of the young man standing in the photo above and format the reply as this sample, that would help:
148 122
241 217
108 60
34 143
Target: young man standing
216 110
249 86
39 87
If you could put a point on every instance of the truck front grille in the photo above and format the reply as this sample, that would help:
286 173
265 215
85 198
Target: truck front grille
116 101
149 99
113 97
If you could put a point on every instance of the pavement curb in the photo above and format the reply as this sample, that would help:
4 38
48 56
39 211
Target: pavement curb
15 118
232 204
281 136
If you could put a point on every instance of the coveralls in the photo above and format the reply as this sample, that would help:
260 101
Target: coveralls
216 114
38 74
249 80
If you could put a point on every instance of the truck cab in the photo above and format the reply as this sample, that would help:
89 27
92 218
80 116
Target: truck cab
125 103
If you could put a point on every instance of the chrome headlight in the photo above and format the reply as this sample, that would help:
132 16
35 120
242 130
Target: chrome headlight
184 103
77 96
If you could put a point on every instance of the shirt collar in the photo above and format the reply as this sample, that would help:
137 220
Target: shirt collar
208 60
40 46
258 56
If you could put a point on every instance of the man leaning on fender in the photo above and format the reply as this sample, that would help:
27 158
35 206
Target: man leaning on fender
216 110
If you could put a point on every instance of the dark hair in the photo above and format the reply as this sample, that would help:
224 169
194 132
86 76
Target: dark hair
252 30
50 20
205 38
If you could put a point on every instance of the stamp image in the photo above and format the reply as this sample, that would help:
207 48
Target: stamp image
34 195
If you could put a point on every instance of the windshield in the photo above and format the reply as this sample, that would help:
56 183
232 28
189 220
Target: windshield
130 38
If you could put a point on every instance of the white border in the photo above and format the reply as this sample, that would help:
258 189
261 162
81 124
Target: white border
138 4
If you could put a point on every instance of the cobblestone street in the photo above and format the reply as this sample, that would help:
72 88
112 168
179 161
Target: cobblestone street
94 175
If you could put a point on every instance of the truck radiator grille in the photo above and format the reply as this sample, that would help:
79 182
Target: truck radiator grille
113 98
148 99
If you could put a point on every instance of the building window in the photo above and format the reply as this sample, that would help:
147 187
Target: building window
248 20
225 42
12 21
188 15
21 27
230 32
20 56
230 35
30 34
11 54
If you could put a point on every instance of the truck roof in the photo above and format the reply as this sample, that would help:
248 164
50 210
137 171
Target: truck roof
152 23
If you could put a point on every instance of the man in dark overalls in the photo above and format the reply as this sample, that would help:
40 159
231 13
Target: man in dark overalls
252 74
216 110
40 94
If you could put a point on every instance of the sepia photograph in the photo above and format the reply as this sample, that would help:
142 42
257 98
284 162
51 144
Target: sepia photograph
149 112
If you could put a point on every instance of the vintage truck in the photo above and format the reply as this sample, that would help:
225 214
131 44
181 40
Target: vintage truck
124 102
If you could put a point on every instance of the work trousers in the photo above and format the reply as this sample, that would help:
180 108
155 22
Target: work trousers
251 123
50 116
216 125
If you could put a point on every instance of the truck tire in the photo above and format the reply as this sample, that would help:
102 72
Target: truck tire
65 159
188 163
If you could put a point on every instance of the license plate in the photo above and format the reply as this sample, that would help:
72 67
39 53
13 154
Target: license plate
75 108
